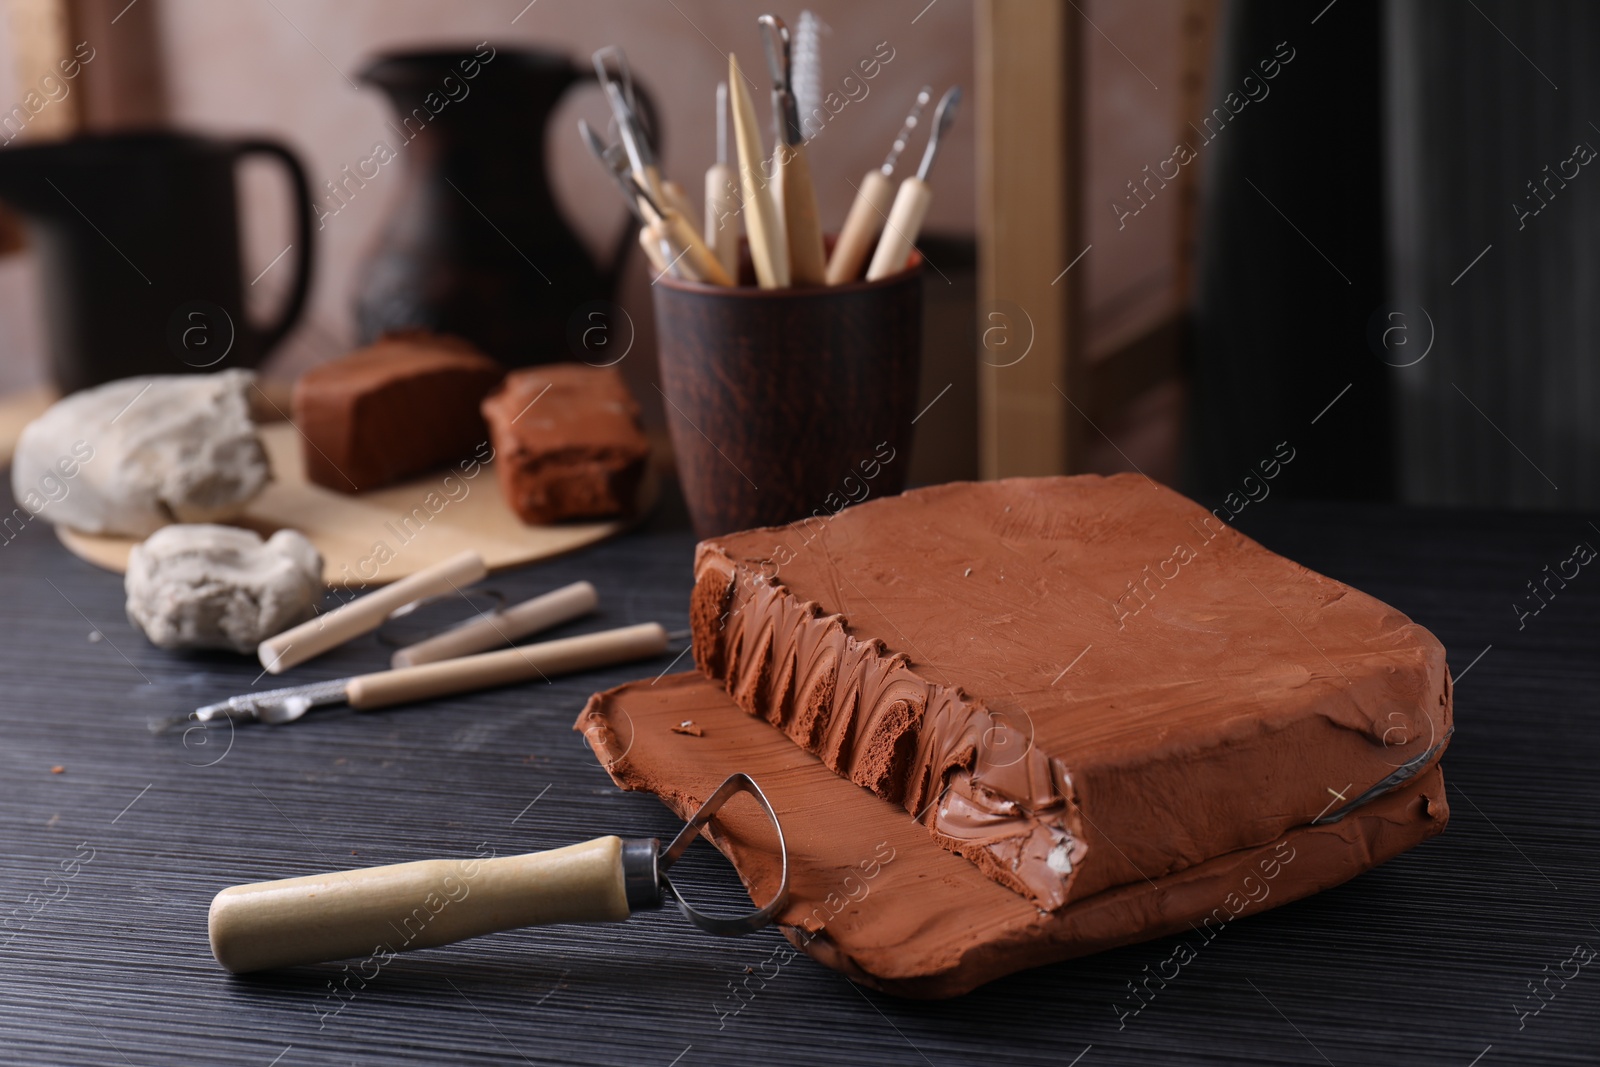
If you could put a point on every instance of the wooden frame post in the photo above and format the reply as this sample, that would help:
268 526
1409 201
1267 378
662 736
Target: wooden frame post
1029 113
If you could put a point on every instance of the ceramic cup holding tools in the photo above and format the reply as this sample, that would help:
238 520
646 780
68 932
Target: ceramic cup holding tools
788 403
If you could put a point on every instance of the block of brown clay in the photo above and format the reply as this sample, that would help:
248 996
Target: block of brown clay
567 443
400 407
1078 684
873 896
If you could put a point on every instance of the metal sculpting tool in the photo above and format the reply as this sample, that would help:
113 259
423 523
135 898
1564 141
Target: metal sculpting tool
364 913
722 200
912 200
795 198
465 674
871 205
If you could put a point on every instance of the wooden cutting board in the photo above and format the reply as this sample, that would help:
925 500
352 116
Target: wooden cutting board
377 537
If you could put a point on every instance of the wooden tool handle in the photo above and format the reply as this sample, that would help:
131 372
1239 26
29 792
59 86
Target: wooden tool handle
722 217
900 232
378 911
509 665
763 221
861 226
313 638
502 627
650 241
802 229
674 199
698 257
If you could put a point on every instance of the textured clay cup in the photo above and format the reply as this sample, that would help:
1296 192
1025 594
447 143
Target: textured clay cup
788 403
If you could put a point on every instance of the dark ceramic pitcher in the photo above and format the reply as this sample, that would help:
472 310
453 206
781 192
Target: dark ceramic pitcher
476 246
137 236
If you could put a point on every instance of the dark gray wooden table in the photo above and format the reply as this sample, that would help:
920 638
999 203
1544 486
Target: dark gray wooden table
107 866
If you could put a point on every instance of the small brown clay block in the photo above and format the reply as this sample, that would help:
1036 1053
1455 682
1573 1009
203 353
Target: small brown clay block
1076 683
397 408
873 896
567 442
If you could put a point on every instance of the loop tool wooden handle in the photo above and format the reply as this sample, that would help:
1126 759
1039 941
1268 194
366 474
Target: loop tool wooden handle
379 911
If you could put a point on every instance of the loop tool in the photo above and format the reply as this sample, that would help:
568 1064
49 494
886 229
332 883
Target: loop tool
379 911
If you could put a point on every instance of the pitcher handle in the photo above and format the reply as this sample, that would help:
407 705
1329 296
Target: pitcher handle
268 336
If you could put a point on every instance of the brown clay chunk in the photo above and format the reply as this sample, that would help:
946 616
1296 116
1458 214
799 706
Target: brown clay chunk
871 895
397 408
567 442
1121 689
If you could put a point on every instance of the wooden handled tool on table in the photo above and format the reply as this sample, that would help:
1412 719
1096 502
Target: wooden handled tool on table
381 689
722 203
912 200
762 222
520 663
491 630
791 168
379 911
316 636
871 205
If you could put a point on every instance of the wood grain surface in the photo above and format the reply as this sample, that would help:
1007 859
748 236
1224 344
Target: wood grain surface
107 867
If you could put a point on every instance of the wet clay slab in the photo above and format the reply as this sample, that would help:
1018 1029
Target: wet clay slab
1075 683
872 894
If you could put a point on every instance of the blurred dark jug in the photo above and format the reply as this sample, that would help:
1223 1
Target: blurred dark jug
476 245
138 242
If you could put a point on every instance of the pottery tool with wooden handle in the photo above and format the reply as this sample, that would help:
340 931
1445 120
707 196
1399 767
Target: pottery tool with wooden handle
384 910
618 89
791 168
912 200
667 238
763 221
722 201
871 205
612 159
490 630
466 674
316 636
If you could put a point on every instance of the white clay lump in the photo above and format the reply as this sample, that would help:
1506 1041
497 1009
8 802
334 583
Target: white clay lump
143 452
204 586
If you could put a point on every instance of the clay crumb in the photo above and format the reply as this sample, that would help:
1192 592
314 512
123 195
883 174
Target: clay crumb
58 769
688 726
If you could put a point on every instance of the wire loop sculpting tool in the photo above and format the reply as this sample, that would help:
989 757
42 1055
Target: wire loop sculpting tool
364 913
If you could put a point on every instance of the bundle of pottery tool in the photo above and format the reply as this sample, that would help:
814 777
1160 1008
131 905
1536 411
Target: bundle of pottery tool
771 196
